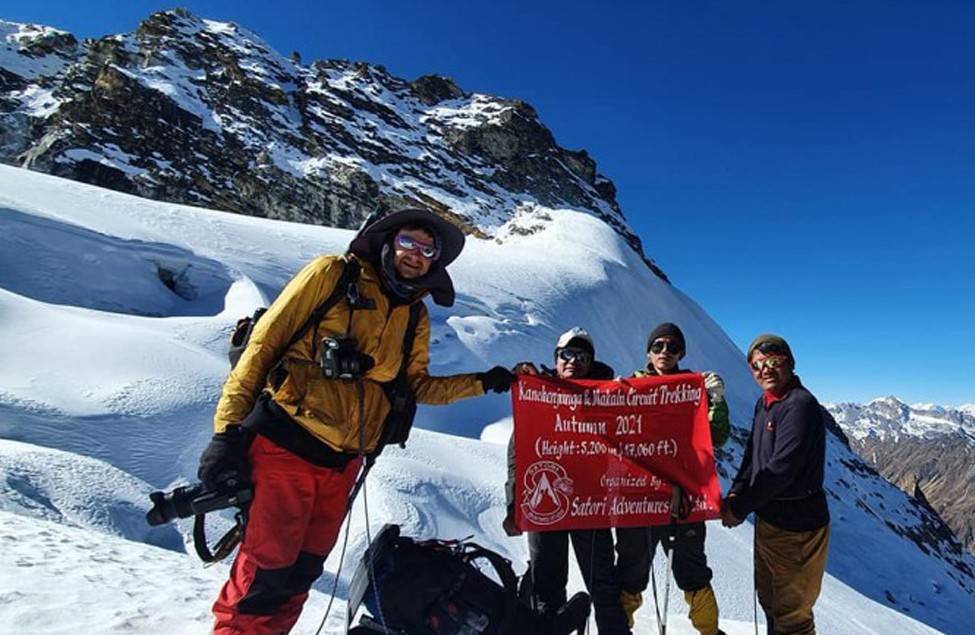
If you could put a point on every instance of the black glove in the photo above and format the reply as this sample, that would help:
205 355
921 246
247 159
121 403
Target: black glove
498 379
225 458
508 524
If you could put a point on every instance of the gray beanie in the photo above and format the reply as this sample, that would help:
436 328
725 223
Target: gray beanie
770 344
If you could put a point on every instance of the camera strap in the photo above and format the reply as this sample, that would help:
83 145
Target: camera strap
225 546
346 288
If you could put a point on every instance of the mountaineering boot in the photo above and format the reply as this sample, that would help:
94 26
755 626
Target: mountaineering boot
572 616
703 610
631 602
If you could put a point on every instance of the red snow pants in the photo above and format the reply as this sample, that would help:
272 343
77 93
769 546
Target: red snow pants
294 522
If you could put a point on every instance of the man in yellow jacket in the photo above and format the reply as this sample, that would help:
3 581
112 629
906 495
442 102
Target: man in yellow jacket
299 419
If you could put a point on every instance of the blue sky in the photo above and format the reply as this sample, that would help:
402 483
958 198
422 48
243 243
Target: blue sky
806 168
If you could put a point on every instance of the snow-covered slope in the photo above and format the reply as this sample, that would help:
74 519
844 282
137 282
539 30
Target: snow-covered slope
114 313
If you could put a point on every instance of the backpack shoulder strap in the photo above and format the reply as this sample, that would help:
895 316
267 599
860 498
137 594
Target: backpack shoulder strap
501 564
508 578
344 288
415 309
402 399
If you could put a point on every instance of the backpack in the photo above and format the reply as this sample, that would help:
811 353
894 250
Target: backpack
433 587
344 288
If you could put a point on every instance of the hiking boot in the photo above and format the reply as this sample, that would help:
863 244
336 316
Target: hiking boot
572 616
631 602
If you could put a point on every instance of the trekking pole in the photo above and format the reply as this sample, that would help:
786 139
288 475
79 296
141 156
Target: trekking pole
365 466
755 607
675 505
367 463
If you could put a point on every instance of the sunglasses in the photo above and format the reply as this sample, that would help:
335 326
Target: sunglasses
671 347
769 362
575 354
408 243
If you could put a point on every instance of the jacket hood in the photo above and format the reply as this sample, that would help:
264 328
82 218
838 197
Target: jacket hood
375 234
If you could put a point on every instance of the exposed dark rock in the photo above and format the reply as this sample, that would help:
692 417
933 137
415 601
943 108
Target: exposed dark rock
433 89
186 112
939 472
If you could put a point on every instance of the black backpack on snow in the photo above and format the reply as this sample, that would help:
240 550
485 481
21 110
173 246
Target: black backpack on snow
433 587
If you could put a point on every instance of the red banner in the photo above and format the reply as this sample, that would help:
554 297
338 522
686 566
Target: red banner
591 454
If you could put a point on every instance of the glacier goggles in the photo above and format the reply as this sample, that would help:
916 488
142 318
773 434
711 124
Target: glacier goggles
408 243
672 347
769 362
575 354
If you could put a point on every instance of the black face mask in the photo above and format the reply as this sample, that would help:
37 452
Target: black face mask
394 285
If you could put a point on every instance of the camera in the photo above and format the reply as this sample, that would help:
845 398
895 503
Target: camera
194 500
341 360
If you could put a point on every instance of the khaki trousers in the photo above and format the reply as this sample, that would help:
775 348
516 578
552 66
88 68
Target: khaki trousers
789 568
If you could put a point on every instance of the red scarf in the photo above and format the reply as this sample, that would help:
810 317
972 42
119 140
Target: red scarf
771 397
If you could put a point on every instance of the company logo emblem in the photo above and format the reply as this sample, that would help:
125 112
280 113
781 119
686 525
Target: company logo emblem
547 491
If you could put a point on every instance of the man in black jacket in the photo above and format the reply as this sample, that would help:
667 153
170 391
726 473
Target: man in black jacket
781 480
549 550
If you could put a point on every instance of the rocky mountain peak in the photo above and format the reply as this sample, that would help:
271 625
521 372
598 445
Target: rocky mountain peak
926 450
434 89
194 111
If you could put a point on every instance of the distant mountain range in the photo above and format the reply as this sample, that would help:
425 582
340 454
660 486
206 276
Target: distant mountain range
926 450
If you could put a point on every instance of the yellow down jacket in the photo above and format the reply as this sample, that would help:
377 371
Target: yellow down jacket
329 408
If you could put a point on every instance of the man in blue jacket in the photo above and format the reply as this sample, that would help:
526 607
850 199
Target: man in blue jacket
781 480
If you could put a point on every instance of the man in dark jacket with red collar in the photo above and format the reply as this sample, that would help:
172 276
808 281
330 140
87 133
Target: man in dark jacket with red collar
781 480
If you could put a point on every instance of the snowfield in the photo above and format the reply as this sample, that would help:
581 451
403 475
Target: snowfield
114 313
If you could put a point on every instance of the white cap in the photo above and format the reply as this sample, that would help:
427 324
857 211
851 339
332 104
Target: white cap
575 333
